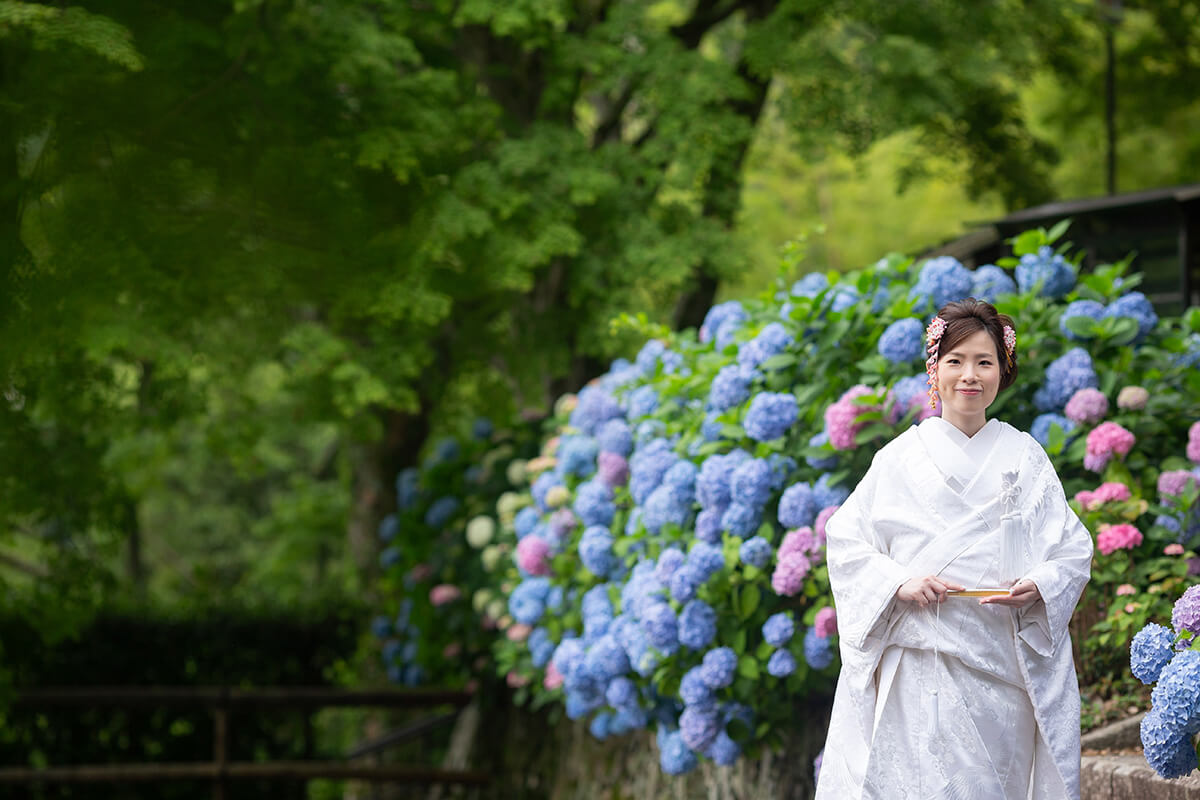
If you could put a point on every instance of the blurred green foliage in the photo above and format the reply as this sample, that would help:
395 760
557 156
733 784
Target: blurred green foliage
253 253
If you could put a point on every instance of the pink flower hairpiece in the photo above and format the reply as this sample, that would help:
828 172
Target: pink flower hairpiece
933 336
1010 343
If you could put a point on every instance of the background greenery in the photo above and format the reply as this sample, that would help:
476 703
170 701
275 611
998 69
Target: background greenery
255 256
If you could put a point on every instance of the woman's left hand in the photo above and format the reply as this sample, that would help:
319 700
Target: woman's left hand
1020 595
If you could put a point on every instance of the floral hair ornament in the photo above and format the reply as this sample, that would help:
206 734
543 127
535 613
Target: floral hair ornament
1010 343
933 337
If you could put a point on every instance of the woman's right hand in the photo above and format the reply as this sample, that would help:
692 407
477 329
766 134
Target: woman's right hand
923 591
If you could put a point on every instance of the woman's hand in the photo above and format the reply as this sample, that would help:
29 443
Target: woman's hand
1020 595
924 591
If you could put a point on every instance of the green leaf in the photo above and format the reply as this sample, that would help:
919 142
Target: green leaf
1058 230
1084 327
779 361
751 595
1055 439
748 667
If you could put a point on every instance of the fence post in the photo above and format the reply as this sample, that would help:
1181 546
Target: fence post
220 749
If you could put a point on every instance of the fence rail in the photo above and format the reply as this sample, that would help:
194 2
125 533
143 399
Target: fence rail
221 700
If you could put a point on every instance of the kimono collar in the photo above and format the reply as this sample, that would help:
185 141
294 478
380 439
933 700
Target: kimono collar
960 458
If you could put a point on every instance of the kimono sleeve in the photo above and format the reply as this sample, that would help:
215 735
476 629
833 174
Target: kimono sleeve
1062 558
863 578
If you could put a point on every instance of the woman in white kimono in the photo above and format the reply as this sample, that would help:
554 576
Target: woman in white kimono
957 697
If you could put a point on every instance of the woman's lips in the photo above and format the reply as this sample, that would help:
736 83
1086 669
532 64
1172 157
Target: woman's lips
970 392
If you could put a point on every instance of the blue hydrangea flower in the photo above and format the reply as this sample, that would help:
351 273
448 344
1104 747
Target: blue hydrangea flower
647 358
779 629
741 520
731 387
1135 306
627 720
782 468
750 483
674 756
1169 522
391 651
825 495
390 557
593 503
770 415
682 476
661 626
666 505
705 560
1045 271
710 429
797 507
669 561
697 625
771 340
755 552
820 440
527 603
810 285
389 526
943 280
712 484
647 466
717 667
595 551
781 663
1079 308
1066 375
1150 651
818 651
683 585
708 525
482 428
615 436
903 341
600 724
542 485
597 607
408 488
1176 698
381 626
441 511
723 751
693 691
845 297
990 281
525 521
606 659
1040 430
643 402
595 407
731 313
621 693
576 456
1168 750
541 647
698 726
446 449
581 702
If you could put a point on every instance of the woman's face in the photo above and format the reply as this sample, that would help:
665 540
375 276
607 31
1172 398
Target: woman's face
968 377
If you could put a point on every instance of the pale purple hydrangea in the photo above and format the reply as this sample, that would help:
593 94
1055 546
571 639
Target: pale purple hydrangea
1087 406
613 469
1186 614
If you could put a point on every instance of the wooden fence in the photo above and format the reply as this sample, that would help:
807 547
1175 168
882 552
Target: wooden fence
221 701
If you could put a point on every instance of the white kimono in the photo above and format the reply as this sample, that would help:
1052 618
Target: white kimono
993 712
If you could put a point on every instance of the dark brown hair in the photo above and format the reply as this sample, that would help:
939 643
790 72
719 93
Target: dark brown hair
965 317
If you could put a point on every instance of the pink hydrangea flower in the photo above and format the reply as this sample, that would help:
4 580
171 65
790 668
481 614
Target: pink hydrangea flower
1132 398
452 650
613 469
1087 406
825 623
420 572
790 572
1175 482
822 518
1173 549
1117 537
518 632
839 417
553 679
1124 589
1193 445
444 593
802 540
1110 492
515 680
1103 442
533 555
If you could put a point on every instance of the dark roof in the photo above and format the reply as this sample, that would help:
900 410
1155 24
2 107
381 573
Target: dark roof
1066 208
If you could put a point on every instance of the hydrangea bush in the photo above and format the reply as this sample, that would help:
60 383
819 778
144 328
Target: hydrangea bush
427 629
663 566
1168 659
